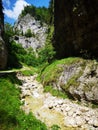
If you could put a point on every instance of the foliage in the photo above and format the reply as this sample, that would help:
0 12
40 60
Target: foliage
29 72
43 14
15 54
40 13
55 127
28 33
46 53
11 116
55 92
8 30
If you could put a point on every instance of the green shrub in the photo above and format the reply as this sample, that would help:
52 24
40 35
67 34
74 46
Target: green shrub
46 54
29 33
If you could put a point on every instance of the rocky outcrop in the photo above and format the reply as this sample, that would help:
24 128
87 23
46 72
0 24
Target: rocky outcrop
76 27
77 79
80 82
3 51
38 30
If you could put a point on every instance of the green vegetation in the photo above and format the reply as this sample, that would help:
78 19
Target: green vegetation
30 71
40 13
55 92
11 116
18 55
55 127
43 14
28 33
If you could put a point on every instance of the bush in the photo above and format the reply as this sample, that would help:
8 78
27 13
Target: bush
46 53
28 33
15 54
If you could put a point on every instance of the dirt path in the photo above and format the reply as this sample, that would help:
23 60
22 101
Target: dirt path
55 111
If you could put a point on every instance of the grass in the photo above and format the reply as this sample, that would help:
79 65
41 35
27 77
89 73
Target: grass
55 92
29 72
11 116
55 127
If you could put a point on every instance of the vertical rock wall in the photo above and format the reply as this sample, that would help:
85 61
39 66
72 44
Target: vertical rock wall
3 51
76 27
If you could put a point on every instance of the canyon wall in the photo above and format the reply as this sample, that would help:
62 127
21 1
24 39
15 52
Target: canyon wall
76 27
3 51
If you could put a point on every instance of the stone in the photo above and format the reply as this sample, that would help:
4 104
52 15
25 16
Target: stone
74 115
80 121
71 122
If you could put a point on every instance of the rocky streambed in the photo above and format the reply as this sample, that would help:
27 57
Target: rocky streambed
55 111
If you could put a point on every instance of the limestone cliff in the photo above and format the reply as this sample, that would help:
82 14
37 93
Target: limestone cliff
38 32
76 27
3 51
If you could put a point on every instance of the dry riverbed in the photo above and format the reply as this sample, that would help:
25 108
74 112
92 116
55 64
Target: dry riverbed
55 111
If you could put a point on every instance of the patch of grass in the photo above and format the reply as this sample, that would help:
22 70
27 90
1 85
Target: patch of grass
11 116
55 127
29 72
55 92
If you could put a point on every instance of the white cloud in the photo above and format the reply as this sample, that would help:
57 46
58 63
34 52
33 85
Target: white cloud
16 10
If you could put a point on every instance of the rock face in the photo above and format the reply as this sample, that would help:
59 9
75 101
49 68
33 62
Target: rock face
76 27
38 32
3 51
81 82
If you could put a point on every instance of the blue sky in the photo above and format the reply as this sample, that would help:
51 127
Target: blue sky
12 8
